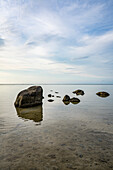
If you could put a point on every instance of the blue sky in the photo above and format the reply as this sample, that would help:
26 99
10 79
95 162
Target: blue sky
56 41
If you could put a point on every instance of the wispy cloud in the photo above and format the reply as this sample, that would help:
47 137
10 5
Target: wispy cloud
68 37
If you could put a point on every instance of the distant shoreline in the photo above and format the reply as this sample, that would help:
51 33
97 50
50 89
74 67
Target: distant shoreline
55 84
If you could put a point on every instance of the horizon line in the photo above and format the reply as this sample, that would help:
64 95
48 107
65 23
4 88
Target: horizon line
56 83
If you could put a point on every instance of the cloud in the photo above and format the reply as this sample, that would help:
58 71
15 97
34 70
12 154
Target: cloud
2 42
68 37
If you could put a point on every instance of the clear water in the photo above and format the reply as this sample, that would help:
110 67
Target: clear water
29 142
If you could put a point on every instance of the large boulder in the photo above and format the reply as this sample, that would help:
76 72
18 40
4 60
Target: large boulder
79 92
30 97
102 94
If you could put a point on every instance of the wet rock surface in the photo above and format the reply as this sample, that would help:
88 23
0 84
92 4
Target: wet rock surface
74 100
66 98
30 97
102 94
79 92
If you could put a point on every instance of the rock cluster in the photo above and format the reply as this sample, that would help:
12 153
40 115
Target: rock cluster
67 100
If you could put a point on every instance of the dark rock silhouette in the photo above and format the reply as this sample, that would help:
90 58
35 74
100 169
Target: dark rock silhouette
74 100
49 95
30 97
79 92
102 94
50 100
58 96
66 98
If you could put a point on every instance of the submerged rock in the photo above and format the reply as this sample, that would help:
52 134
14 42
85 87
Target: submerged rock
58 96
102 94
66 98
30 97
32 113
56 92
79 92
50 100
74 100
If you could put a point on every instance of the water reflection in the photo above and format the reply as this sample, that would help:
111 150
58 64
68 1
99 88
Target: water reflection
66 102
32 113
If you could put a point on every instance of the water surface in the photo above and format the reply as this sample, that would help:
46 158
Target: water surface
55 135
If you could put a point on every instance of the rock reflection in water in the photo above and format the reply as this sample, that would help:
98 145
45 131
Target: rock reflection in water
66 102
32 113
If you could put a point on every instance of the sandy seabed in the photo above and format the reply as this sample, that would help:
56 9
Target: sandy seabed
59 146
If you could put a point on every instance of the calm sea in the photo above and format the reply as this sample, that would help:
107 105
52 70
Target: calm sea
38 138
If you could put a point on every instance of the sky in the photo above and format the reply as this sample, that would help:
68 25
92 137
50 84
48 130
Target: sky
56 41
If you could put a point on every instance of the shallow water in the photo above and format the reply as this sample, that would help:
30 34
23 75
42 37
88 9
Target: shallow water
55 135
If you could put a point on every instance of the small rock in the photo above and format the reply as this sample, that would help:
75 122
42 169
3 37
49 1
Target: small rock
58 96
50 100
66 98
49 95
79 92
56 92
74 100
81 156
102 94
